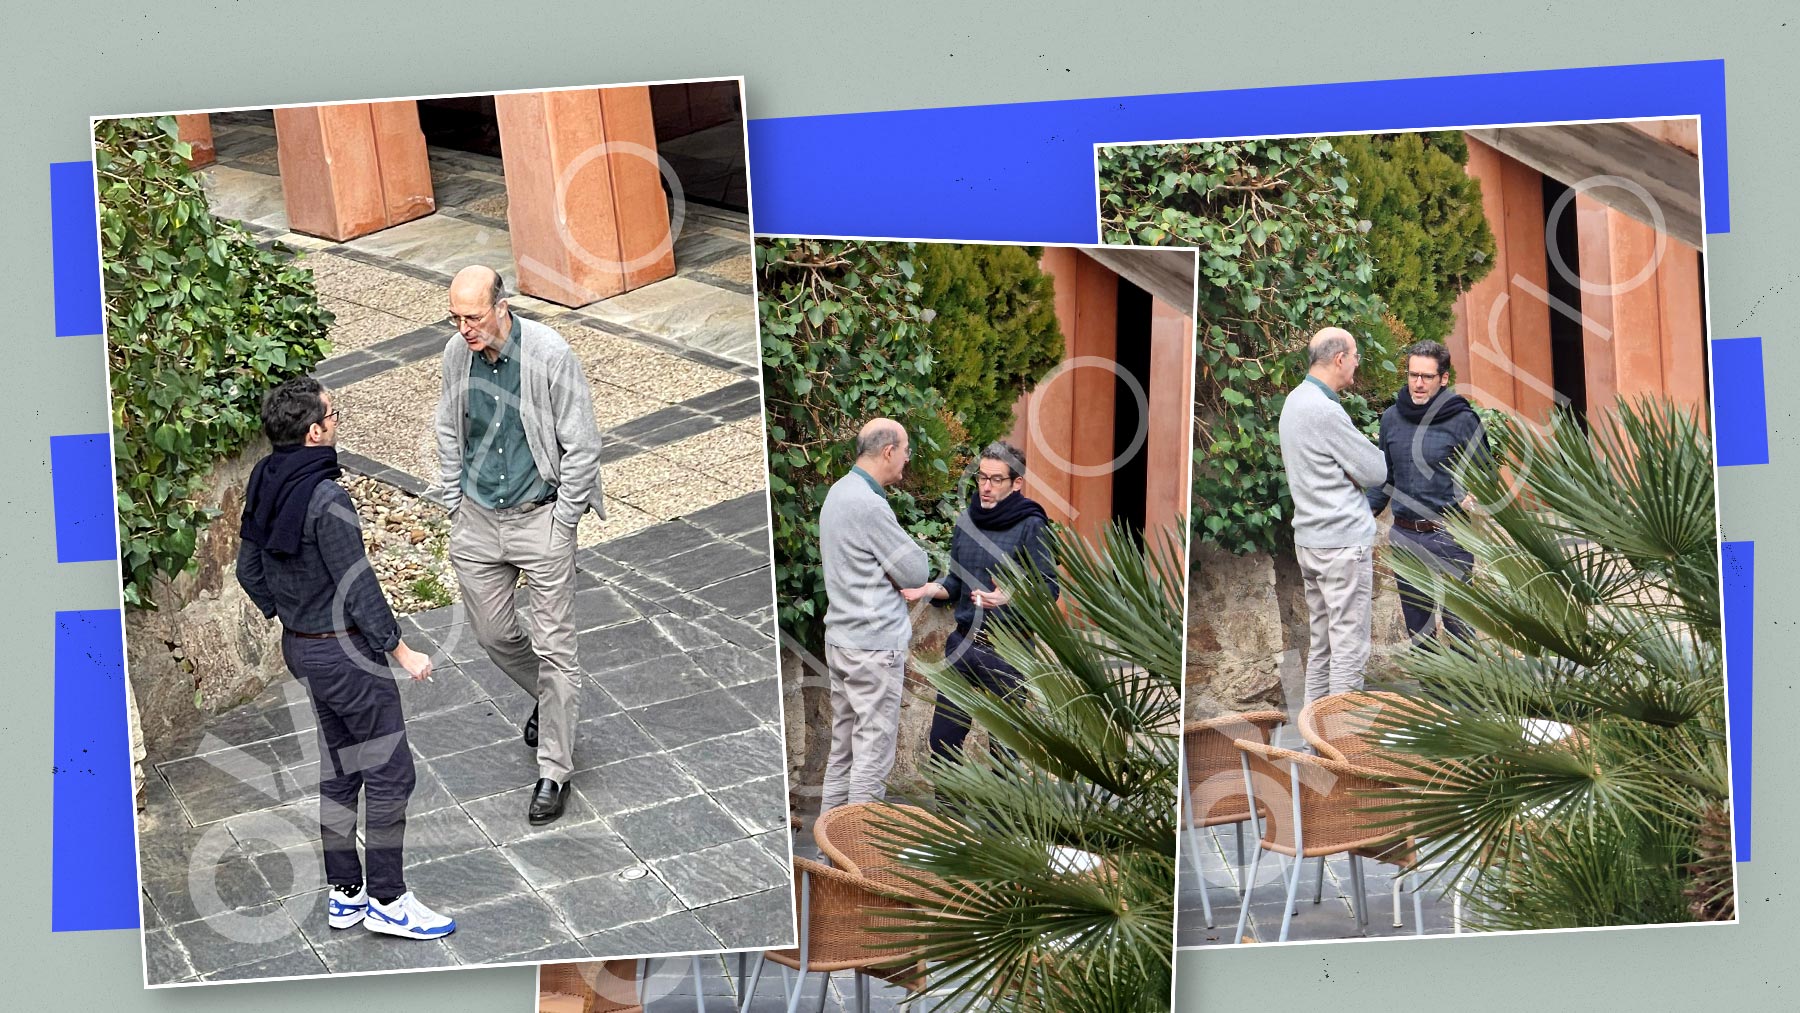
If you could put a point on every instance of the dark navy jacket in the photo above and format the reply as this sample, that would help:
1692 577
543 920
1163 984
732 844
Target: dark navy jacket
1419 455
974 556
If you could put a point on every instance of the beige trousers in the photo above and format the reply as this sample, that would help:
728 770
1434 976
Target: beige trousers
488 551
1340 587
865 718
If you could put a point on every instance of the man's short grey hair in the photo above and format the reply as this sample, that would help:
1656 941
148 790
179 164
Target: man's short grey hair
1006 454
872 443
1325 349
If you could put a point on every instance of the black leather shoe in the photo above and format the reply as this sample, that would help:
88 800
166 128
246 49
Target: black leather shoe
531 729
547 801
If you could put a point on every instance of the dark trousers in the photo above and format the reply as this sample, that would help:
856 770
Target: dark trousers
363 753
1440 552
980 665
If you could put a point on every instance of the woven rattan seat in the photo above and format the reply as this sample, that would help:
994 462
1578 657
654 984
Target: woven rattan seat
565 988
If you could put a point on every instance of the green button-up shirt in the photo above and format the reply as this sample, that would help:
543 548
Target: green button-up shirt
498 471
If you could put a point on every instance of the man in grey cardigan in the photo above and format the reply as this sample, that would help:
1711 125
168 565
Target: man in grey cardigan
1329 464
867 558
519 464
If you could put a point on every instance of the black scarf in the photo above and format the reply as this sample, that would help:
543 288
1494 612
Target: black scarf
280 488
1443 406
1004 514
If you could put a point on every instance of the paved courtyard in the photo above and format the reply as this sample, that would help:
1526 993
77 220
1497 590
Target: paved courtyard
675 838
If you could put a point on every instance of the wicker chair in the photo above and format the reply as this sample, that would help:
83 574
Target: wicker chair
1213 787
838 914
1314 807
564 988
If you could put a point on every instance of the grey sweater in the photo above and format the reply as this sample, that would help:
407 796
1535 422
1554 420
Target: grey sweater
557 409
1327 460
868 557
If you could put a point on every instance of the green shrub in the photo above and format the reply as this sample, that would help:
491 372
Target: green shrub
200 321
1281 255
995 334
1428 235
843 341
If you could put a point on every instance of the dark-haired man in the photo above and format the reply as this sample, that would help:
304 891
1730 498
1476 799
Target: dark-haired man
302 559
519 464
1425 430
1001 523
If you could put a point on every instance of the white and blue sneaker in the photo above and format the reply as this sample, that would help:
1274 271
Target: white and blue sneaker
407 916
342 910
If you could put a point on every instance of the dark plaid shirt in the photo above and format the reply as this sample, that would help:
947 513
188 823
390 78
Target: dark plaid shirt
305 590
975 555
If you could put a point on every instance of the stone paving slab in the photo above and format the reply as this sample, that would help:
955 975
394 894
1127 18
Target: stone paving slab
1332 918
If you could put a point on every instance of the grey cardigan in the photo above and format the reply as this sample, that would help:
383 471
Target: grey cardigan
557 409
1329 463
867 558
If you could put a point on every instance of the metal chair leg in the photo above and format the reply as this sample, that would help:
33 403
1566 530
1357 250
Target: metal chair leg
1193 840
824 989
745 994
1418 908
1293 887
1397 922
1244 908
862 993
1319 889
1360 895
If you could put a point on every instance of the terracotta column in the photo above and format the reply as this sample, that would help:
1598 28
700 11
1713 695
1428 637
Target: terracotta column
584 198
1484 331
1170 440
196 130
1045 426
1095 386
1526 285
349 170
1621 298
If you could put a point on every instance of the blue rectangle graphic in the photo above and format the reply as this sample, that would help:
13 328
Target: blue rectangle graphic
1740 412
1738 569
81 488
75 249
1024 172
94 860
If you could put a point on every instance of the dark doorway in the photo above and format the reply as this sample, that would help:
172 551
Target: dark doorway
1132 353
461 124
1568 355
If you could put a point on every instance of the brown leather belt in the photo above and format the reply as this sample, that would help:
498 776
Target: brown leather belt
1411 525
325 636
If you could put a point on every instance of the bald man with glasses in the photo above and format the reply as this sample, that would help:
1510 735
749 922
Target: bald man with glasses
519 465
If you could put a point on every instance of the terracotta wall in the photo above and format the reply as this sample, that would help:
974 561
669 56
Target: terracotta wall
1066 424
1640 307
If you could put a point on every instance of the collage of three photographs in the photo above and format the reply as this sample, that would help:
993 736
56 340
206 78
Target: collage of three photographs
885 657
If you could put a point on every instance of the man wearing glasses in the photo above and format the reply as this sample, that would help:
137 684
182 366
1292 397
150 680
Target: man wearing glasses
867 557
1329 464
302 559
1002 523
519 464
1425 430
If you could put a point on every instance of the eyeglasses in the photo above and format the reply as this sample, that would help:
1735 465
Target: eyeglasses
335 413
1422 377
984 479
470 319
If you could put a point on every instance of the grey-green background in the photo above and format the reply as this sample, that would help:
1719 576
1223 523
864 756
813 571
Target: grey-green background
72 60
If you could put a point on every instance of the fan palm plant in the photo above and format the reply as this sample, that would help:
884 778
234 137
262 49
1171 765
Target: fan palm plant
1571 758
1088 767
